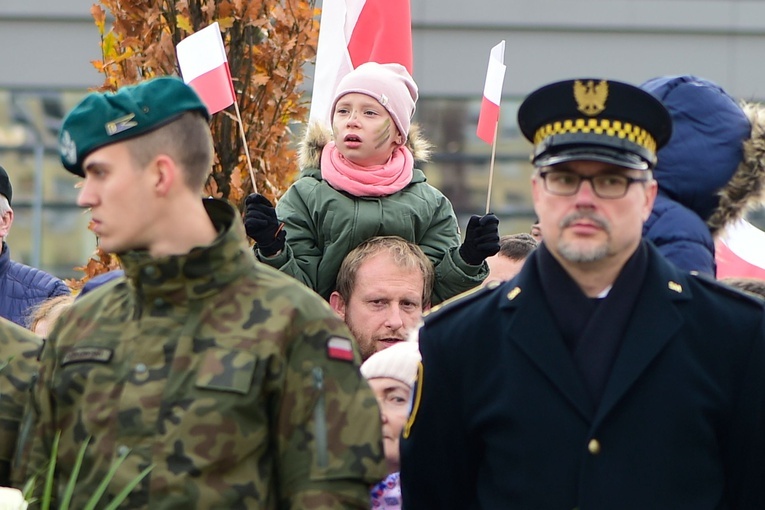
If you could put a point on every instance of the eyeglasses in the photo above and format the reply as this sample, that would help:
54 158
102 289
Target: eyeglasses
566 184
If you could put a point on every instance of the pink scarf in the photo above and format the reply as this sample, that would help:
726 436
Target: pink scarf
366 181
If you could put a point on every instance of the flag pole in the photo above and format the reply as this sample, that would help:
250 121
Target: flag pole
490 109
246 149
491 166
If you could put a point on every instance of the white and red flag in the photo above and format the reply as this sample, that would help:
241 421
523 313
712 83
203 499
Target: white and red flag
740 252
492 93
353 32
204 66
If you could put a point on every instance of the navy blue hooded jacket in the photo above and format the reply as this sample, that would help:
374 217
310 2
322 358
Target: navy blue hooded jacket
23 287
701 157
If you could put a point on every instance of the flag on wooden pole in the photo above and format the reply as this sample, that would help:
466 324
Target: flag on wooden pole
204 66
492 93
740 252
353 32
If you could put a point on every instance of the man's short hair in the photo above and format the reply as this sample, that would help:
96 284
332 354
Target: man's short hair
517 246
405 254
187 140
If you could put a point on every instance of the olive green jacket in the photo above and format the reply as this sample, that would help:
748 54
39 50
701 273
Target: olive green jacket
224 374
324 224
18 368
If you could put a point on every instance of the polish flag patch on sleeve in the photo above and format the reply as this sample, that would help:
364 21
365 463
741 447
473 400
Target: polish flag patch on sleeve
339 348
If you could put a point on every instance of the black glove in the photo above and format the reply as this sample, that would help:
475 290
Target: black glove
261 224
481 239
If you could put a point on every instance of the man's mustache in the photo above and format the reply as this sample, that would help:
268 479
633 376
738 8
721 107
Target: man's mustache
592 217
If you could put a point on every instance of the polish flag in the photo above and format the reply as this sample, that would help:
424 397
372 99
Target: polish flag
740 252
492 93
353 32
204 66
340 348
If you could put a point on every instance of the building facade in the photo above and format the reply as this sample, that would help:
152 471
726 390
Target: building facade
47 45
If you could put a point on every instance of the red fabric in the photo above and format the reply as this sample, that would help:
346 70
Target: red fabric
215 88
340 348
731 265
383 34
487 120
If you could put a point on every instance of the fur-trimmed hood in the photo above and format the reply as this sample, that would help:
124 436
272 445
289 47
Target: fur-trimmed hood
746 189
714 163
317 136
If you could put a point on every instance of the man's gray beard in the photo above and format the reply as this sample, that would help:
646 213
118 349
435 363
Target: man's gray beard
582 255
572 253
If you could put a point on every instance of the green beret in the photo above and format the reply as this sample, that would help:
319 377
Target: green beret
104 118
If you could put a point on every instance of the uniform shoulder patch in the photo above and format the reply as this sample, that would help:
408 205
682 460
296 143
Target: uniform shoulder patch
340 348
457 302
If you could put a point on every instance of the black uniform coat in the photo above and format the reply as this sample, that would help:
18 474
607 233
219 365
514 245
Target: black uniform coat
503 420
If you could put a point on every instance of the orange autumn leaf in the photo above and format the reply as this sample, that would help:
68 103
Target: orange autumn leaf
268 43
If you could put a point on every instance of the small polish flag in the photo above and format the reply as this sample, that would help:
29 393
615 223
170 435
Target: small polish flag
353 32
204 66
339 348
740 252
492 93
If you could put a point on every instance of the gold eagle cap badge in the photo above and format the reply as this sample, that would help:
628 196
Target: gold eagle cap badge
591 97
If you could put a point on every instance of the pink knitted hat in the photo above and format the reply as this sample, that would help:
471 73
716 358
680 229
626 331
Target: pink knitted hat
390 84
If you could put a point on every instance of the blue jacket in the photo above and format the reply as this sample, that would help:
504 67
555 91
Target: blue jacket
22 287
701 157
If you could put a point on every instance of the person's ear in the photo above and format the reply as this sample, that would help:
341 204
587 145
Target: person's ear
652 189
165 172
337 303
5 223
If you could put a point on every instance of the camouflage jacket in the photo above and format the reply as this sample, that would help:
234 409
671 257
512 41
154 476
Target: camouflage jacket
18 366
235 381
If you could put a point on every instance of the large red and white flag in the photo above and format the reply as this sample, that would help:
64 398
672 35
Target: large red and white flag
492 94
353 32
740 252
204 66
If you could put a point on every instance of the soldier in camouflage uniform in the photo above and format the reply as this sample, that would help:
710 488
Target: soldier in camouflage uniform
238 384
18 366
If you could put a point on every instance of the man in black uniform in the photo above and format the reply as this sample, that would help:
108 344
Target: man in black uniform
600 377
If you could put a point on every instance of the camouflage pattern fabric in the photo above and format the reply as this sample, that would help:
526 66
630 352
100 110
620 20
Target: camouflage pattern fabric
215 368
18 366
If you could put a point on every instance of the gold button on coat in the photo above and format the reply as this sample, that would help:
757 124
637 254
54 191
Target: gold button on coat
594 446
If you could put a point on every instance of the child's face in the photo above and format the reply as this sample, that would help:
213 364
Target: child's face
364 131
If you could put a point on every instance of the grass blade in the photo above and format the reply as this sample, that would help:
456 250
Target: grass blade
73 476
126 491
50 476
93 501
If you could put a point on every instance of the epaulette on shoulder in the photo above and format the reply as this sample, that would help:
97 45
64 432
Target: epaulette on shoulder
728 290
460 300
